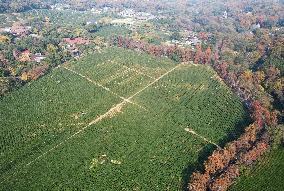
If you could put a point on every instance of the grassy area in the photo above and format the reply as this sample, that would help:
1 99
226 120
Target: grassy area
267 175
115 121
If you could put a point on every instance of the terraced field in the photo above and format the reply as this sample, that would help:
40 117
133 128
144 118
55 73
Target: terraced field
116 120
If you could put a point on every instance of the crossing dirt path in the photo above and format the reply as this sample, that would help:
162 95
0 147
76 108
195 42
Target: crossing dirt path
110 113
105 88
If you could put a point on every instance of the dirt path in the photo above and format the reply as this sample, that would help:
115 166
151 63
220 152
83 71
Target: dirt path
118 74
105 88
200 136
109 114
156 80
137 71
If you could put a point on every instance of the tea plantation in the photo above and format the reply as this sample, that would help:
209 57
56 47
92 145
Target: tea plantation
115 120
267 174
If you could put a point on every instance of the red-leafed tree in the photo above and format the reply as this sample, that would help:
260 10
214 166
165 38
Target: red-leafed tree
222 69
257 113
120 41
37 71
203 36
198 55
226 179
198 181
252 155
262 116
207 56
274 118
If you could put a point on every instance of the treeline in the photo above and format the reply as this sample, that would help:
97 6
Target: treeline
175 53
223 166
139 5
22 5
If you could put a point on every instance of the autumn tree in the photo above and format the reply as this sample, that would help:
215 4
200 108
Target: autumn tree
198 55
207 56
198 181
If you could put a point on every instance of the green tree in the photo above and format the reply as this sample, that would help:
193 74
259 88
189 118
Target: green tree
175 36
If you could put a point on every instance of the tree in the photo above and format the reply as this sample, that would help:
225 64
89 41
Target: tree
223 182
92 28
259 77
222 69
198 55
37 71
4 39
175 36
24 76
4 85
207 56
198 181
51 49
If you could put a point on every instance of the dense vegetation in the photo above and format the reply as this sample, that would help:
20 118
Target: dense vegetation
21 5
241 40
123 149
267 174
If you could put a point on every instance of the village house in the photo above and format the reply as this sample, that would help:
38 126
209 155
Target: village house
74 51
5 30
60 7
38 57
27 56
96 11
107 9
191 38
123 22
92 22
127 13
141 16
255 26
193 41
35 36
71 45
225 15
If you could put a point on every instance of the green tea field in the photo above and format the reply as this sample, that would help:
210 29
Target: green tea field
115 120
267 174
